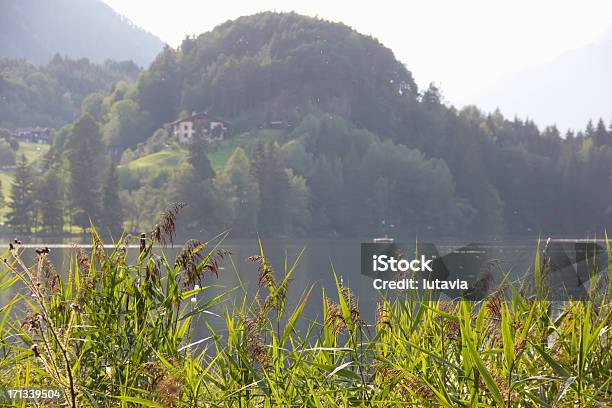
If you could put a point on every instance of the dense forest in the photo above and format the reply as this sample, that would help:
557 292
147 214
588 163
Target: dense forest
356 148
52 95
36 30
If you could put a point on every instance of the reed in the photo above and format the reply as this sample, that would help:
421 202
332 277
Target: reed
115 332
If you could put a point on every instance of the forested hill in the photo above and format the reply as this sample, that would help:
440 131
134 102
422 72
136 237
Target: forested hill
506 175
268 66
329 136
51 95
36 30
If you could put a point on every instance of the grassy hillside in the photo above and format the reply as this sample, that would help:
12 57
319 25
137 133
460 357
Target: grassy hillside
155 161
166 160
32 151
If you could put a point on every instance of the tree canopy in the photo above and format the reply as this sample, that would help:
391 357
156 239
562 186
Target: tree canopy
330 136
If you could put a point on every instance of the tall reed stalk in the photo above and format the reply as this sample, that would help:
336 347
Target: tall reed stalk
110 332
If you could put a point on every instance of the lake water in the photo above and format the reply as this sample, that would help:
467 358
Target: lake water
320 258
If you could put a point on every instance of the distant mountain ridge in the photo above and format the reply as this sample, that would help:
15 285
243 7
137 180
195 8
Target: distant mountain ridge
568 91
36 30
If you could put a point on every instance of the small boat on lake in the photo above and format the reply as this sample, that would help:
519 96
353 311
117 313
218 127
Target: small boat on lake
384 240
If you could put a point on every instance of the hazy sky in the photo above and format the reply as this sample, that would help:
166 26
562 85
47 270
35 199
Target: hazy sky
460 45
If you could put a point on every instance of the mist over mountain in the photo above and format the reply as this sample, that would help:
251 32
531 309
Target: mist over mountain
568 91
36 30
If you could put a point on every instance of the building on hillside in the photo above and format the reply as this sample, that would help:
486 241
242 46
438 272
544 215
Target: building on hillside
33 135
199 125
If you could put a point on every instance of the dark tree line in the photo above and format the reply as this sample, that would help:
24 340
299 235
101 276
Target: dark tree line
77 186
51 95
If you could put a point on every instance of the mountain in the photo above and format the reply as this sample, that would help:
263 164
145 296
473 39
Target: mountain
36 30
568 91
270 66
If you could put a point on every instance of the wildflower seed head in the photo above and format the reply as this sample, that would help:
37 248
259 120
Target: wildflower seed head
494 307
31 322
266 273
98 248
382 316
82 260
353 305
334 316
50 275
255 346
416 386
190 259
165 230
447 307
42 251
169 390
334 311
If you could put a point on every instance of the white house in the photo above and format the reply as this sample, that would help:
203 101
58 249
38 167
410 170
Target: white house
201 125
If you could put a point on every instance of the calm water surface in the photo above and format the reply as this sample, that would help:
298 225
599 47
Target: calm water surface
320 258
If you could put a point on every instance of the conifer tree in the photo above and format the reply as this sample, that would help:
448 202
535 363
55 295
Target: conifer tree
49 191
601 136
241 191
50 160
198 158
267 169
2 199
589 130
21 207
84 146
111 211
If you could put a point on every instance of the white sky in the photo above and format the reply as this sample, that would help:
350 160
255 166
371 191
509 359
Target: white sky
460 45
